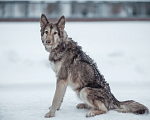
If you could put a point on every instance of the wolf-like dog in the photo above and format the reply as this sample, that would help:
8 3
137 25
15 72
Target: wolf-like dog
76 69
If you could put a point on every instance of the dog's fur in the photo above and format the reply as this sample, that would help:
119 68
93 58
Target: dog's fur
66 59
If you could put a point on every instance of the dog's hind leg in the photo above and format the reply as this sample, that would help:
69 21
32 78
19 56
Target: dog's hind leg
97 106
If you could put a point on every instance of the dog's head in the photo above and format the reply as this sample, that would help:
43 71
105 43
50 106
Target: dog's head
52 34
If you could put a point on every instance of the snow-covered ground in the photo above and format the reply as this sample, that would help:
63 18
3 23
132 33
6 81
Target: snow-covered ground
27 83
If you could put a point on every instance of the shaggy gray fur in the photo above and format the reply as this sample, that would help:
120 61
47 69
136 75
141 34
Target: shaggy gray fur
81 72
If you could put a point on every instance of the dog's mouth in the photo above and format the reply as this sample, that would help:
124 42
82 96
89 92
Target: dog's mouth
48 44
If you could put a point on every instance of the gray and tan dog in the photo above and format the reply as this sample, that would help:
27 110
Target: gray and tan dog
76 69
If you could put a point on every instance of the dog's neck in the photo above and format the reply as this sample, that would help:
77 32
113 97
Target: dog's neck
58 52
54 50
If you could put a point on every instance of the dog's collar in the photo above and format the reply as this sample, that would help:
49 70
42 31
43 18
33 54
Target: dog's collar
56 48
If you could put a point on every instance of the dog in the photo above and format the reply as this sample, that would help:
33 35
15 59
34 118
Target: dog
76 69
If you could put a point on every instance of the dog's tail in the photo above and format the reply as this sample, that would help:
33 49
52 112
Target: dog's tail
131 106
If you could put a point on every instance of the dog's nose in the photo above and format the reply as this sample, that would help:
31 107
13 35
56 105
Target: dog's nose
48 41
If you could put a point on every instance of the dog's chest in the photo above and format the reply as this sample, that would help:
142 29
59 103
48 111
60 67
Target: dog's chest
74 83
56 66
70 82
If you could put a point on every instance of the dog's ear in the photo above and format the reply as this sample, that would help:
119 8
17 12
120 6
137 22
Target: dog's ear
61 22
43 20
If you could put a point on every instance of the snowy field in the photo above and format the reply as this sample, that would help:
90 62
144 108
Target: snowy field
27 82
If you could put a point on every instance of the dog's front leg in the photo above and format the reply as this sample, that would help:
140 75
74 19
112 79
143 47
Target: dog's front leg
60 102
60 91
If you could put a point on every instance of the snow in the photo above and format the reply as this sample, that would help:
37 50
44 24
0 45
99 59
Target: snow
27 83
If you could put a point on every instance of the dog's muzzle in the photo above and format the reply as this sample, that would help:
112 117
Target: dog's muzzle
48 41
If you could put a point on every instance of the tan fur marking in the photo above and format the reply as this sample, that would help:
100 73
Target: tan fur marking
100 105
83 96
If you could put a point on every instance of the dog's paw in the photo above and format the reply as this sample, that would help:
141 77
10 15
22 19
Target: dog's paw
94 112
49 114
82 106
90 114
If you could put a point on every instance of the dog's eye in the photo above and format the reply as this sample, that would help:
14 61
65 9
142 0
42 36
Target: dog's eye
55 33
46 32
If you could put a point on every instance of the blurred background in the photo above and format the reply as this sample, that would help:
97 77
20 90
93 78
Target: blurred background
75 10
